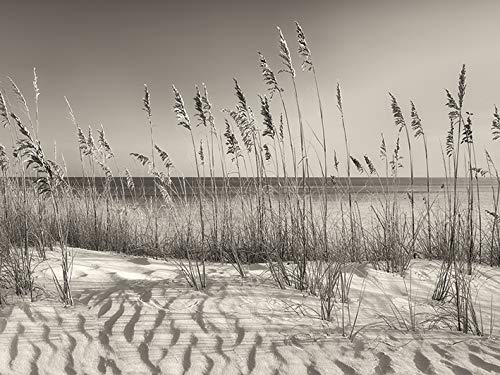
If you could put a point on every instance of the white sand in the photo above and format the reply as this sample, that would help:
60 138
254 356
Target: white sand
137 316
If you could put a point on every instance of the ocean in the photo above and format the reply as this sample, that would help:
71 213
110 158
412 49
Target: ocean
188 186
366 191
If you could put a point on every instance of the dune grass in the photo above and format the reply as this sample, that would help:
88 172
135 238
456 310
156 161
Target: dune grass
309 238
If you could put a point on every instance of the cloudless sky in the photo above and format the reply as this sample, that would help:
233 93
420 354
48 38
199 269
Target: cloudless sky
100 53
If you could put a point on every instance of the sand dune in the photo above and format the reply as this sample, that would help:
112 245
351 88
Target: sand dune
136 316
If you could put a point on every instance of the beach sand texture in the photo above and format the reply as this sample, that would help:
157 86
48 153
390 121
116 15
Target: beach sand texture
137 316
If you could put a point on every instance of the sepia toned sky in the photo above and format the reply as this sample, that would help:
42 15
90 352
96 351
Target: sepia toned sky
100 53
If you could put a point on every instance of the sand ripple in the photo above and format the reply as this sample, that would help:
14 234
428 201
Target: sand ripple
137 317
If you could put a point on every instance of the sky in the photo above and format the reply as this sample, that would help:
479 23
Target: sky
99 54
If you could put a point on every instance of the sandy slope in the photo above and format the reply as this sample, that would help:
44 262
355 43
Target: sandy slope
136 316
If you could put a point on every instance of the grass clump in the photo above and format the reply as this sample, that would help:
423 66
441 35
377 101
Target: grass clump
255 197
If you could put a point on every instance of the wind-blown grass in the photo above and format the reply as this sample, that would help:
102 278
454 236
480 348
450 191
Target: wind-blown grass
308 239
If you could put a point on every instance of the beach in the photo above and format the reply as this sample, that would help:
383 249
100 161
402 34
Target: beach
137 316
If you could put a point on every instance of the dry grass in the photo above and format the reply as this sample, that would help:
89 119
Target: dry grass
308 240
